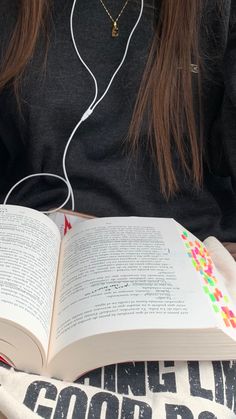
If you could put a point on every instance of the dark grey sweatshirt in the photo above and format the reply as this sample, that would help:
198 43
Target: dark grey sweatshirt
107 181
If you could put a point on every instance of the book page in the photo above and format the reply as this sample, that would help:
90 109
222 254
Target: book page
65 219
214 285
29 251
126 273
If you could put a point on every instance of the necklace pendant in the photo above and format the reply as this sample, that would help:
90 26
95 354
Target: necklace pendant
115 30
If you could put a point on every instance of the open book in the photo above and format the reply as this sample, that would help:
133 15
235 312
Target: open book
112 290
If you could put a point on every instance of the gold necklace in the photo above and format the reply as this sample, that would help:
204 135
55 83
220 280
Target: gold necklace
115 28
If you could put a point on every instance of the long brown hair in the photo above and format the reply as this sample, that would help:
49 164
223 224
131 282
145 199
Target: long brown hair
166 91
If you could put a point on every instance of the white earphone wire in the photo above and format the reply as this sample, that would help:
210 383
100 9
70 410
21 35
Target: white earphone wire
86 114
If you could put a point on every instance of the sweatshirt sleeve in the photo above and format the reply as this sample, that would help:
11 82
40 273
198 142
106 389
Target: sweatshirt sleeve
10 137
12 149
225 128
4 162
